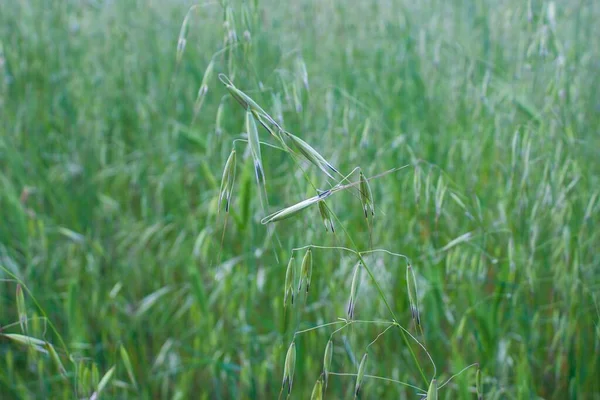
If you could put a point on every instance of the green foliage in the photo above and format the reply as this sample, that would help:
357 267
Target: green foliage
133 281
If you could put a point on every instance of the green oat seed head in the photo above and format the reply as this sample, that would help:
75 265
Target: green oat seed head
312 155
354 290
245 101
432 393
294 209
366 197
227 180
54 355
479 384
289 366
326 216
327 361
317 392
254 143
411 284
360 375
203 87
289 282
306 270
35 344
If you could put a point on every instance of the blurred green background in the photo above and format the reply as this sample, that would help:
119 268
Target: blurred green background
109 186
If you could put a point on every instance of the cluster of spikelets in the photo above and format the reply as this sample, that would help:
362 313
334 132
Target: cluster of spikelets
296 148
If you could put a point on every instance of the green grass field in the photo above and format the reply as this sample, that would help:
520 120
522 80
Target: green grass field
123 276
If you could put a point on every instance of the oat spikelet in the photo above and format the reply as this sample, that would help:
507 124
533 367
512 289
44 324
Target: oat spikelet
294 209
289 366
317 392
289 282
227 180
326 216
54 355
203 88
353 290
366 197
413 298
306 270
479 384
432 393
327 361
254 143
312 155
361 374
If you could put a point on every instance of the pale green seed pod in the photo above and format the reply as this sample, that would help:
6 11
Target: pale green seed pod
479 384
254 143
33 343
306 270
289 366
181 40
312 155
361 374
317 392
327 361
411 284
354 290
231 36
366 197
326 216
432 393
227 180
295 209
203 88
289 281
245 100
56 359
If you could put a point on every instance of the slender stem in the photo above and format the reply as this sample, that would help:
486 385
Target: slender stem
358 321
457 374
378 336
380 378
422 346
385 251
324 248
318 327
260 141
339 329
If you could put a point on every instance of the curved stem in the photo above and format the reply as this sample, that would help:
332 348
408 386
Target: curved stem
422 346
318 327
457 374
380 378
378 336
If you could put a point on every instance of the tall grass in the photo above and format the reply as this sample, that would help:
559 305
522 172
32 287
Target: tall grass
120 277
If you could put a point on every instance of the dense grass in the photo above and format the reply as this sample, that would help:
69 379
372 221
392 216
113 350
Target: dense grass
109 196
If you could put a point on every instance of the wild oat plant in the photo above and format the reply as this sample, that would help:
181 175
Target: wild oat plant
297 283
